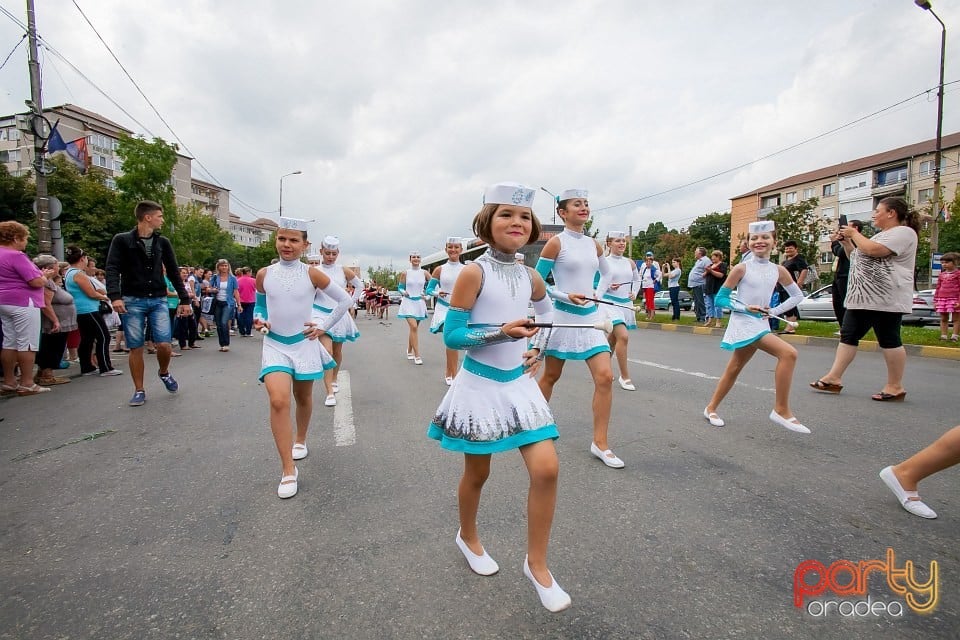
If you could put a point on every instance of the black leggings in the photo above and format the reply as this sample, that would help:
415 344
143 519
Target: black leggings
50 354
93 333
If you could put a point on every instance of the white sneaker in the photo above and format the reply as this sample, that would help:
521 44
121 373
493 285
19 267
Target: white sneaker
553 598
793 424
607 457
714 419
111 372
299 451
482 565
331 401
905 497
288 485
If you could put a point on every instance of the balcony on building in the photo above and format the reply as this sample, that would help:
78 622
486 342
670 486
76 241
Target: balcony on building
891 181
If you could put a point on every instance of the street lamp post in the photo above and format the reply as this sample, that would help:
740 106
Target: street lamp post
292 173
937 198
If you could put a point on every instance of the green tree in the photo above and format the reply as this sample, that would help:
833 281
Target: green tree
800 223
147 171
16 198
711 231
647 240
90 215
261 256
383 276
950 230
198 239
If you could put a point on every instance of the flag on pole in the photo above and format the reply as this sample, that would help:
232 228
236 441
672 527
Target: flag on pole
76 151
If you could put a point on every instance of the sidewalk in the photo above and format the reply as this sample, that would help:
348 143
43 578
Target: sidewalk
923 351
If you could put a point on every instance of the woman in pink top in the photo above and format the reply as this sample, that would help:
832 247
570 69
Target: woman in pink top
947 296
21 298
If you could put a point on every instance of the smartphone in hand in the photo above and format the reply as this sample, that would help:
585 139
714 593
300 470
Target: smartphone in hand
842 222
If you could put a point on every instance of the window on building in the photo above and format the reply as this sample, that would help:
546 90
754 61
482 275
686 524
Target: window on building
926 168
924 195
827 213
111 183
117 164
808 193
825 257
893 175
770 201
10 155
791 197
829 189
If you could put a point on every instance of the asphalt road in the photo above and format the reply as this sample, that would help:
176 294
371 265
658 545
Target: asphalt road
167 525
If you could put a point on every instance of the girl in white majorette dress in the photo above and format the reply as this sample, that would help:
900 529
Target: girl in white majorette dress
413 308
749 328
494 403
345 330
441 286
620 286
574 259
292 357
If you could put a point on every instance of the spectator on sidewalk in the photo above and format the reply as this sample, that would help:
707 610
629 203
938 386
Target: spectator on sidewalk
696 280
59 318
797 266
247 286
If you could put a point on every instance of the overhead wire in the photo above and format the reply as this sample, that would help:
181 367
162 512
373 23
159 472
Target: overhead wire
774 153
12 51
157 112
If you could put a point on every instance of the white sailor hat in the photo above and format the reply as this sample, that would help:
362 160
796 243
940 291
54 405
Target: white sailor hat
570 194
509 193
763 226
314 257
294 224
616 235
454 240
330 242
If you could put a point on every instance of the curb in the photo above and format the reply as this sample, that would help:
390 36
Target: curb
922 351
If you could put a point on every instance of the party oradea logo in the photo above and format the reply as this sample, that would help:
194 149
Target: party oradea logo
841 588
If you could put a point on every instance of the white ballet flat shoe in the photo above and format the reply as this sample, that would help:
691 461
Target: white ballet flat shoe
331 401
448 380
713 418
481 565
300 451
336 387
793 424
417 360
916 507
409 355
607 457
626 384
288 485
553 598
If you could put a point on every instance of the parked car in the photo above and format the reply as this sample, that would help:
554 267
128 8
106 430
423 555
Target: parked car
661 300
395 297
819 306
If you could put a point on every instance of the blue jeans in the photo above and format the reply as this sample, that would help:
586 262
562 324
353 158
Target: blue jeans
138 310
222 313
245 319
713 309
675 302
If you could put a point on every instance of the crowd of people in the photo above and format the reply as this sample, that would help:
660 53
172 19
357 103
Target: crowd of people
54 312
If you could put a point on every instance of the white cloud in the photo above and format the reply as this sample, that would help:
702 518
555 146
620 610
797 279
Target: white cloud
399 113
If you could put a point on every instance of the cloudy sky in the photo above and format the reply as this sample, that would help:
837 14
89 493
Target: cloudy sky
399 113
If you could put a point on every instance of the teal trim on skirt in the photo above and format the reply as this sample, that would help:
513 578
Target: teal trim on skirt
547 432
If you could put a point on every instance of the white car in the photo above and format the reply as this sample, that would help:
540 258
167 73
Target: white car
819 306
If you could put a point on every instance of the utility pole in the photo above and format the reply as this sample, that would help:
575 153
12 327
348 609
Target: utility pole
44 236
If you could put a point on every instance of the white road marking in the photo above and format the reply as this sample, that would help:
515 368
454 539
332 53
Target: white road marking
696 374
344 433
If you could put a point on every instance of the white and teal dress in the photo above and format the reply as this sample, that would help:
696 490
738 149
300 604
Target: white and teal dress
573 272
755 288
412 305
492 405
448 278
345 329
622 271
287 304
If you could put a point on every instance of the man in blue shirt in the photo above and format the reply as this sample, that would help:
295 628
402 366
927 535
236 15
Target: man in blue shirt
695 280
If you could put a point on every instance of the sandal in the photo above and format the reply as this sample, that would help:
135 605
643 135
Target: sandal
31 391
883 396
8 389
826 387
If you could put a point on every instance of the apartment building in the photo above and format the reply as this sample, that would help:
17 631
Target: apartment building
853 188
251 234
101 137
